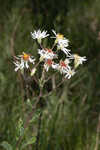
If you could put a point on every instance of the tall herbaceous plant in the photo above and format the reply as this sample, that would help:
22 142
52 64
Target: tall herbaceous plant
55 60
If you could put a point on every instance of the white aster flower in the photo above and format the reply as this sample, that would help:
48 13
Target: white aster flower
49 63
78 60
69 73
46 54
62 44
63 66
23 60
39 35
59 37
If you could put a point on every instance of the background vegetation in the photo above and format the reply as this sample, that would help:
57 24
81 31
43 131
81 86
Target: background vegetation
71 115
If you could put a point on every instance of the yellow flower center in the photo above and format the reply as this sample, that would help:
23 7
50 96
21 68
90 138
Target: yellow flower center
60 36
25 56
76 56
70 72
76 61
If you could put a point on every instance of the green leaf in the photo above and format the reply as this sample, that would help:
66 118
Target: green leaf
6 145
30 141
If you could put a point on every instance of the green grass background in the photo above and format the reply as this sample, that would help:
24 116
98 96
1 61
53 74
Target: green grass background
70 119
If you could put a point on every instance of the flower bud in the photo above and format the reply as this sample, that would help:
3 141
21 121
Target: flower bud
33 71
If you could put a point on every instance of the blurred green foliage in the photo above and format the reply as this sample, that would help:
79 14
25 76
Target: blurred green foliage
70 116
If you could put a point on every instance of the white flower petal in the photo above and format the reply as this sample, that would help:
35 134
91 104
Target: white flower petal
26 64
39 35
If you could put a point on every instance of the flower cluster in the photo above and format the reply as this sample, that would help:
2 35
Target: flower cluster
49 56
